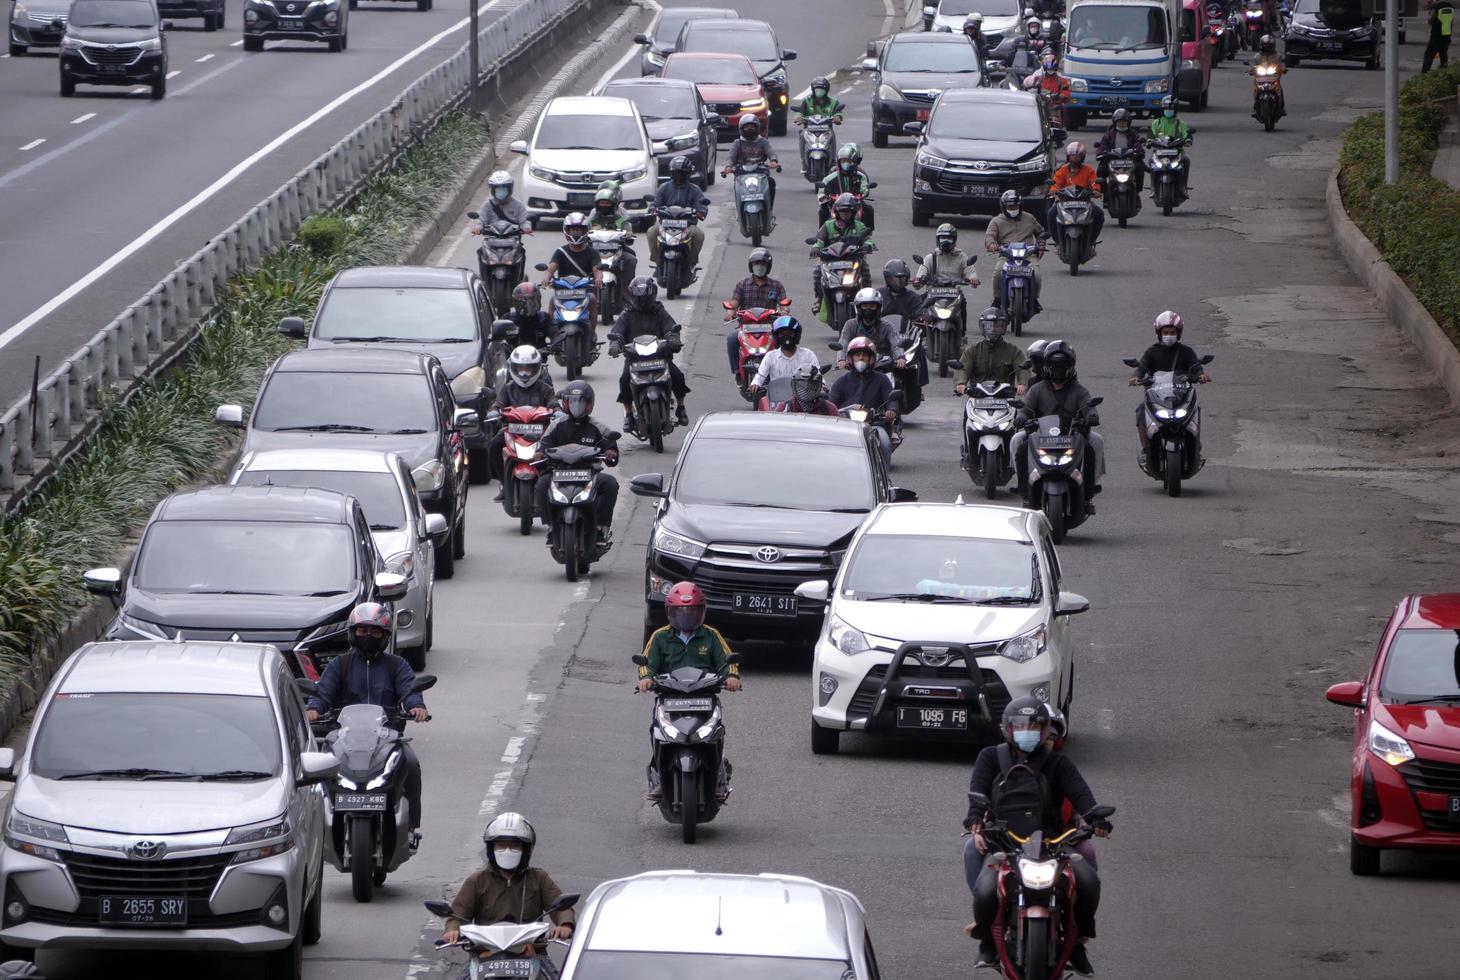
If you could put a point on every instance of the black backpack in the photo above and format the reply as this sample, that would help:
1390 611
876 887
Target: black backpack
1021 792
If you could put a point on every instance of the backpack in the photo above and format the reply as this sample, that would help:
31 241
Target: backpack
1022 793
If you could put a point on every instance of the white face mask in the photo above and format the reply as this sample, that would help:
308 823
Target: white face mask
1168 340
860 366
500 193
760 269
508 858
1012 212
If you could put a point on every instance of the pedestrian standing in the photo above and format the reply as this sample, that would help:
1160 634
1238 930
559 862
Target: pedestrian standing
1442 25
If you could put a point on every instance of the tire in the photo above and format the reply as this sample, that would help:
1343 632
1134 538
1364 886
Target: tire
990 463
415 656
68 87
159 89
1166 210
1290 62
1363 860
1268 122
574 358
1173 473
1373 63
210 23
757 229
1016 316
654 425
935 348
1074 263
312 928
379 878
1206 97
446 557
570 551
286 963
26 954
921 219
478 469
1055 514
458 541
824 741
777 125
362 859
1122 219
345 41
253 43
689 809
879 138
1036 949
525 515
336 44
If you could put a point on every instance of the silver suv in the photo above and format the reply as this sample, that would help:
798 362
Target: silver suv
168 797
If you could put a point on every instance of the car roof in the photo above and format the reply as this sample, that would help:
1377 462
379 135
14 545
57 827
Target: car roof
403 277
365 359
951 520
1432 611
927 37
781 427
191 667
335 460
988 96
734 23
649 81
579 105
287 505
721 13
756 915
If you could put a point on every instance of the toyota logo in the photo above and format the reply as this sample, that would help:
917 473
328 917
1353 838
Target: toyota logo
980 165
111 47
291 8
935 656
147 850
767 554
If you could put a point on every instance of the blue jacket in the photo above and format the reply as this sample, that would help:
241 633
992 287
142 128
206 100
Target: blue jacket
348 680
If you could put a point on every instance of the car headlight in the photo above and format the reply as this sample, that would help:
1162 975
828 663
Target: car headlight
636 174
887 93
1189 64
1025 647
429 475
685 142
1388 746
268 838
19 12
71 45
151 44
402 564
19 825
846 639
326 632
469 383
142 628
753 105
1037 875
541 173
1079 85
1158 85
1359 32
1035 165
1299 29
668 543
926 159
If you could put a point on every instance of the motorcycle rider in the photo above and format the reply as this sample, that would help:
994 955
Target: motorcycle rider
849 178
509 888
868 388
1121 136
679 191
973 30
1169 125
756 291
787 358
842 224
1013 224
869 322
526 385
367 674
1035 364
808 392
993 358
1168 353
819 102
903 305
949 265
1026 730
1267 57
1060 394
688 641
574 425
1077 173
645 315
753 148
501 205
608 216
1051 84
534 326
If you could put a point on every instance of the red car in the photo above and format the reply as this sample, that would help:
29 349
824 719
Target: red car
1406 757
729 85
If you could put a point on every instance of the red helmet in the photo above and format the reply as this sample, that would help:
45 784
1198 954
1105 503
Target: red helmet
862 345
685 607
526 299
1075 149
1170 319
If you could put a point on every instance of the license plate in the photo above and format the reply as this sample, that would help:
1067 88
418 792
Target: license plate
112 69
584 200
981 190
1057 443
933 718
1330 45
763 605
360 801
687 704
1114 100
517 967
990 403
658 364
291 21
1455 809
533 429
923 115
120 910
572 476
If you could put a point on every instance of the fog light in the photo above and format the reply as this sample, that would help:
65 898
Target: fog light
922 186
1042 693
278 915
15 911
659 586
250 17
332 18
827 687
405 619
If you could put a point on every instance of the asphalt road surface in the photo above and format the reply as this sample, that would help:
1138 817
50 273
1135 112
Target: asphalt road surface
1217 618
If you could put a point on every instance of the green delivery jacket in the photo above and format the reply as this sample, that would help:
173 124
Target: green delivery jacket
666 652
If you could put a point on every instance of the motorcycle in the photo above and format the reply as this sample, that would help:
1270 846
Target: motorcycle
946 313
496 951
1017 299
1034 930
610 246
988 427
779 397
1254 24
1073 232
907 380
1121 198
365 806
1267 98
689 763
575 337
843 272
521 459
753 201
501 260
504 338
875 416
1173 423
573 540
818 147
866 214
1168 173
675 272
648 357
1057 474
754 338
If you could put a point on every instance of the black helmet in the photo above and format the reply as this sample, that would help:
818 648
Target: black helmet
946 237
806 385
1025 714
992 323
1059 361
1266 45
643 293
896 274
820 82
749 122
680 168
1010 201
577 399
760 256
526 300
784 327
845 201
1120 116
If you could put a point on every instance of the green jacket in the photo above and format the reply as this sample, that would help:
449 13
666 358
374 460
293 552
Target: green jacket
1167 128
829 233
616 222
837 182
830 106
985 362
666 652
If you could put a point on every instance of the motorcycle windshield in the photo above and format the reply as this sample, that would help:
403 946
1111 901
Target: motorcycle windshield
1169 389
362 729
778 391
691 680
571 455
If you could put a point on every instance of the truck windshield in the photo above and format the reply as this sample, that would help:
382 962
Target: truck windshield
1112 28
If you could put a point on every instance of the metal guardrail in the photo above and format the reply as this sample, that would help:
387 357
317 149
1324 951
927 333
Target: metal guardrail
63 409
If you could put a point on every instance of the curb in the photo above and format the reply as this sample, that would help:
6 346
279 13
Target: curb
1394 296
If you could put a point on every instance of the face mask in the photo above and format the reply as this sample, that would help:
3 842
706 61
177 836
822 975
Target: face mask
1169 113
679 179
370 645
818 94
945 246
760 270
1024 741
501 193
508 858
860 366
788 344
1168 340
848 166
1011 212
1123 129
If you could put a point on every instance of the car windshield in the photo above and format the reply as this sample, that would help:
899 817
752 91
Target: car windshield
597 964
112 13
561 131
757 45
378 493
379 313
666 32
1422 665
915 56
304 401
770 473
1116 28
156 736
246 558
712 71
989 8
975 569
990 121
1338 14
657 101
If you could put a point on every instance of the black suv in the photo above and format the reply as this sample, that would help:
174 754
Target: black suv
977 144
757 504
370 398
675 115
442 312
114 42
909 71
278 565
296 20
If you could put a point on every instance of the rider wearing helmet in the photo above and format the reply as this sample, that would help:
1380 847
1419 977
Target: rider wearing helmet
949 265
534 326
843 225
646 316
872 389
1024 781
574 425
751 149
788 357
1168 353
1060 394
1169 126
1035 364
576 258
368 674
819 102
868 321
607 215
848 178
993 358
679 191
897 299
973 30
1052 85
808 392
1267 57
1012 224
757 291
508 888
501 205
527 385
1077 173
1121 136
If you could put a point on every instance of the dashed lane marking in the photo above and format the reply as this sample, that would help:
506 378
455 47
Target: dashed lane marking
81 119
32 145
207 57
174 73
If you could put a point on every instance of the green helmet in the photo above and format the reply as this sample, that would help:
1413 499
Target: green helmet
611 187
850 151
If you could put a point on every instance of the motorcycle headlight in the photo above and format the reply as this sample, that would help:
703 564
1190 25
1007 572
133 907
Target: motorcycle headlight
1037 875
19 825
525 451
669 543
144 629
1038 163
849 278
1056 459
1158 85
430 475
1171 413
1122 178
268 838
347 782
469 383
390 765
887 93
402 564
846 639
636 174
1025 647
1079 85
1388 746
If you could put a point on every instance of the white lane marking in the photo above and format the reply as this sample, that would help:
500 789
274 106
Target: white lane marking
207 57
136 91
495 791
513 752
236 44
174 73
634 49
82 119
182 210
32 145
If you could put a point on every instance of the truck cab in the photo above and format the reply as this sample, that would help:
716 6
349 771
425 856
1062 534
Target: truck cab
1194 79
1121 54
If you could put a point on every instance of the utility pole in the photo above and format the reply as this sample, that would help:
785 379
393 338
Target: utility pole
1391 91
473 99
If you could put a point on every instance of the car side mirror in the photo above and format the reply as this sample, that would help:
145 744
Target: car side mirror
423 682
816 591
913 128
1060 136
467 421
317 767
869 64
518 146
902 495
659 147
787 54
229 415
437 907
436 528
7 765
102 581
1208 358
640 660
562 902
293 326
1130 362
638 39
648 485
1350 694
1071 604
389 586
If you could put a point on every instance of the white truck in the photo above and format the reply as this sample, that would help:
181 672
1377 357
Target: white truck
1120 54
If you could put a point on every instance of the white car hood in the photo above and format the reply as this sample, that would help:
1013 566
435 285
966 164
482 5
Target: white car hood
588 161
148 807
904 622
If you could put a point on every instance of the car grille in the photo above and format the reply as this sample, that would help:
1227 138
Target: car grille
922 95
283 639
1107 87
106 56
995 694
191 877
1430 776
726 110
727 568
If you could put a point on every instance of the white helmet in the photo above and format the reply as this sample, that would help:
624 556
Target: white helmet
524 365
510 828
500 178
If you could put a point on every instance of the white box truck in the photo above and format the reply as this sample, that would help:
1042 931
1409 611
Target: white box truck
1121 54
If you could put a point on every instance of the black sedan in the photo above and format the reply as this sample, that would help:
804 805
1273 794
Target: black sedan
659 39
675 115
910 71
1325 29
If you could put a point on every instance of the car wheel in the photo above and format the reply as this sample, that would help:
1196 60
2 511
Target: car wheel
778 123
1206 96
415 656
17 50
222 15
312 928
824 741
458 542
159 89
477 470
446 557
921 219
210 22
286 963
354 4
879 138
68 86
253 43
1363 860
337 44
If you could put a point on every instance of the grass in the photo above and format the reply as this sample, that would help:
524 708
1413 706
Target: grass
165 437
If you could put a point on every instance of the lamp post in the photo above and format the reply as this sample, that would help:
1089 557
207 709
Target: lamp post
473 99
1391 91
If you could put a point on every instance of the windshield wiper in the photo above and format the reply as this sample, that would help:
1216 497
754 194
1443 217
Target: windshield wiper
137 773
448 340
404 432
323 593
383 527
229 592
1006 600
234 774
325 427
919 597
378 340
1437 699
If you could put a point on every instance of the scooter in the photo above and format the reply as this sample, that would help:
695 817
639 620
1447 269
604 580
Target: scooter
818 146
1173 426
649 385
689 764
501 260
780 397
1017 298
496 951
575 337
365 807
574 541
675 272
1168 175
1267 95
1073 231
1121 198
753 335
907 380
1254 25
946 313
876 416
521 459
988 427
753 201
610 246
1056 458
843 271
866 214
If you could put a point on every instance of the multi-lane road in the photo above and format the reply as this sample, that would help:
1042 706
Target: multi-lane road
1217 619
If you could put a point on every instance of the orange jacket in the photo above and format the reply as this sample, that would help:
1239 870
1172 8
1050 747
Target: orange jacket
1084 177
1057 86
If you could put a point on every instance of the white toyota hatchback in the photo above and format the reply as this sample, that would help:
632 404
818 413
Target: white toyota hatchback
940 615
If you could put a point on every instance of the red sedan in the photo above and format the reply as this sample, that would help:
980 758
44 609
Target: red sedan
728 84
1406 756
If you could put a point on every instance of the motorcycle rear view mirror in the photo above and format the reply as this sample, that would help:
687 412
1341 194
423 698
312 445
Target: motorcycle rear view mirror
871 185
811 240
541 267
474 215
638 39
978 802
1100 813
423 682
1096 400
728 304
1130 362
436 906
640 660
562 902
785 301
834 344
1208 358
1059 136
